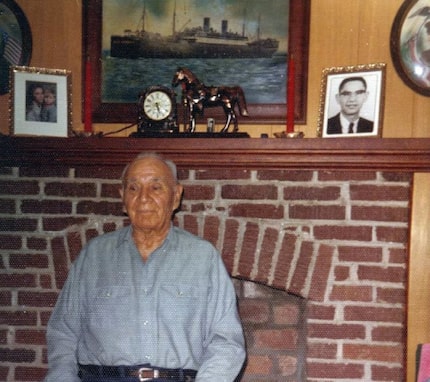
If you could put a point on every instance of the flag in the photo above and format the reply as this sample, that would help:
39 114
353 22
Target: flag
12 49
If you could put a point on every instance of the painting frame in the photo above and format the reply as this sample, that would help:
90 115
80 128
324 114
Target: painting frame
409 45
367 102
102 112
52 113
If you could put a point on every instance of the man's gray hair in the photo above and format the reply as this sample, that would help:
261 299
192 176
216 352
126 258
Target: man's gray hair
170 164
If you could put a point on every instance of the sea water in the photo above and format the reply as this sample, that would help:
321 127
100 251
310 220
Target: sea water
262 79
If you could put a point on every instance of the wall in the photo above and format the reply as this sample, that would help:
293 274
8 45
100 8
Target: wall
337 239
342 33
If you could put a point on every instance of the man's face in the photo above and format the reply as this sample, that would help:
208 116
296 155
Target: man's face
150 195
351 97
38 95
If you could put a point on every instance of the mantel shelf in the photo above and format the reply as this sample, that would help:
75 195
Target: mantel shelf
388 154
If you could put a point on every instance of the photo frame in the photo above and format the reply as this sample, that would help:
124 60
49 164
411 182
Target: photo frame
103 111
352 94
410 45
40 102
15 40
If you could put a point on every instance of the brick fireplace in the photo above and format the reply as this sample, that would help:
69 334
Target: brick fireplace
317 244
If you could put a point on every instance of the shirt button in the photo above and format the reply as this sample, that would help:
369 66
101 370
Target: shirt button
145 323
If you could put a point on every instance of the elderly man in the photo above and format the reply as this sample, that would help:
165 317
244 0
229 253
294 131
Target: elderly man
149 301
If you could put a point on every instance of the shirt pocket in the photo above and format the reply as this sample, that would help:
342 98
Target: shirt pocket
110 306
179 302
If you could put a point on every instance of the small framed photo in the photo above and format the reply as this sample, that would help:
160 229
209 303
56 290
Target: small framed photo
352 101
40 101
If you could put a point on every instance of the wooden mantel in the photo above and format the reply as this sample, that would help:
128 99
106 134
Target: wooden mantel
393 154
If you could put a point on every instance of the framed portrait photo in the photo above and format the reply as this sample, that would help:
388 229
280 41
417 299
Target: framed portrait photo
352 101
40 101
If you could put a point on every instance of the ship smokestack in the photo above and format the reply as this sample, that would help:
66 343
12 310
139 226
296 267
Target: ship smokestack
224 26
206 24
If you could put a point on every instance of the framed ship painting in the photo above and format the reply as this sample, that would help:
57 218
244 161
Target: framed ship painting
131 45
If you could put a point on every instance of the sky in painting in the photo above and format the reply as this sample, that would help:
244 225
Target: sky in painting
119 15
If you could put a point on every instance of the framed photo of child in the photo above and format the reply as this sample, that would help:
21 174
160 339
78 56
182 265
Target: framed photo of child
40 101
351 102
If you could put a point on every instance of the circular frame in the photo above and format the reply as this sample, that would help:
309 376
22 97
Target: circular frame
410 45
15 40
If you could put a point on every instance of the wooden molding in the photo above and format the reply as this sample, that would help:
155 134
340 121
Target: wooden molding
393 154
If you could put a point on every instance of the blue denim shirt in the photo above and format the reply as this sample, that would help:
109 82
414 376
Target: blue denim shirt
176 310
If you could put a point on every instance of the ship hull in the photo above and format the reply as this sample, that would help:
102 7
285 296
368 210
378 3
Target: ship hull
140 47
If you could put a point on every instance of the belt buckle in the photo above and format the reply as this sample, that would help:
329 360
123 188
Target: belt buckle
141 375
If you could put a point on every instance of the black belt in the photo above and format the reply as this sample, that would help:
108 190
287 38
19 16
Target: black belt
141 373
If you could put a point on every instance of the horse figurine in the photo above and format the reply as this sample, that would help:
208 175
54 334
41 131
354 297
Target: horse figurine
196 96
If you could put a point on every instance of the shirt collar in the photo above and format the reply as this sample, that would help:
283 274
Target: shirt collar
345 124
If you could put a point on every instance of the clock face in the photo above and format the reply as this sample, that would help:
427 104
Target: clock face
157 105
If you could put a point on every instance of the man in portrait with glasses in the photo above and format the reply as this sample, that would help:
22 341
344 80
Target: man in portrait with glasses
351 97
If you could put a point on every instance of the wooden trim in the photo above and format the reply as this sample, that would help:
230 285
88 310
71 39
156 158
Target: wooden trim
394 154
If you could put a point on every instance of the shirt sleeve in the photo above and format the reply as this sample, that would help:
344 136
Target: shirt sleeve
224 344
63 331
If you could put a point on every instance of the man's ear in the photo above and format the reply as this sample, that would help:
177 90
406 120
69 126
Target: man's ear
179 189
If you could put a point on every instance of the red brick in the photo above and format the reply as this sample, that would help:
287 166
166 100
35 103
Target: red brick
380 273
37 243
60 261
10 187
285 175
375 314
30 373
230 242
191 224
18 225
385 373
4 371
321 350
286 314
23 260
343 232
77 189
267 252
379 192
285 258
392 234
220 174
61 223
7 206
397 176
249 192
94 172
44 172
397 255
388 334
18 318
344 371
346 175
341 273
301 270
381 353
37 299
320 312
34 337
32 206
17 355
376 213
332 331
321 272
351 293
211 229
17 280
330 212
259 365
5 298
10 242
110 190
282 339
391 295
312 193
288 365
74 244
254 311
258 210
248 249
87 207
360 254
199 192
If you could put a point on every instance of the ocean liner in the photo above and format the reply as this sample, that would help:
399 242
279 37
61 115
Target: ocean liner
197 42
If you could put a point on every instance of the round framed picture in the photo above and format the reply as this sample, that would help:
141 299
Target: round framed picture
410 44
15 40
